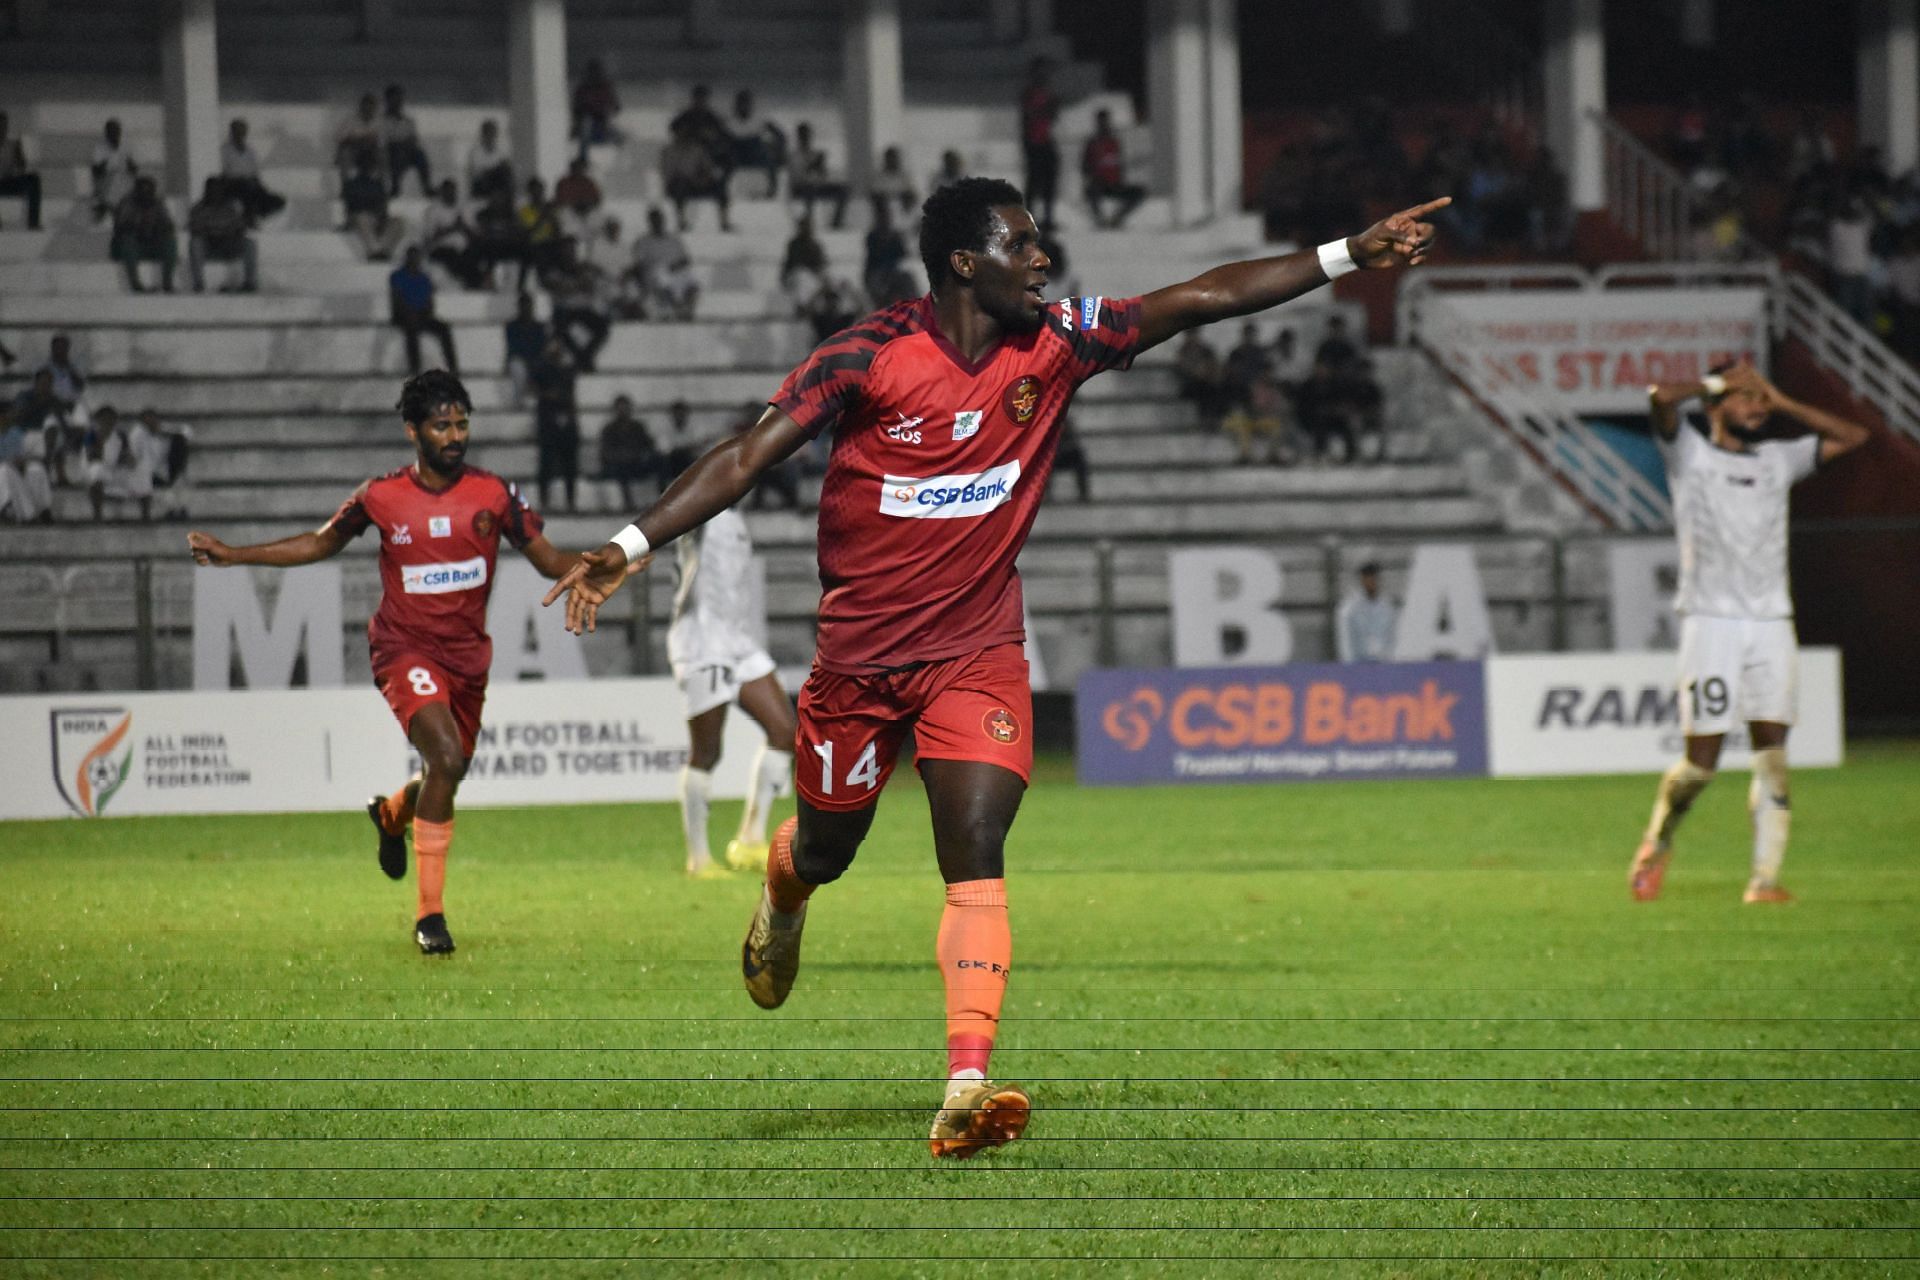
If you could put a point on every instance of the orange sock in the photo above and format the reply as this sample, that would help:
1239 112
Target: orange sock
976 957
787 891
431 841
397 811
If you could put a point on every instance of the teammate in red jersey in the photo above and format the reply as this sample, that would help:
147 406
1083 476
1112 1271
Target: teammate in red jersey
440 524
946 412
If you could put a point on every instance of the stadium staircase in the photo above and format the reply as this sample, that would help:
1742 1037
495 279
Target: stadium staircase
290 392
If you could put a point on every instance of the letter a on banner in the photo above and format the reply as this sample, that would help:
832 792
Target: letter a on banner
226 612
527 639
1445 614
1227 593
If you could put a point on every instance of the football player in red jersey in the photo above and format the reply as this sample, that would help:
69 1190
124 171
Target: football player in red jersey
440 524
946 412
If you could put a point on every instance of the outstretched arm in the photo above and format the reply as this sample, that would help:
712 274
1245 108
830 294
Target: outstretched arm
1239 288
551 562
301 548
720 478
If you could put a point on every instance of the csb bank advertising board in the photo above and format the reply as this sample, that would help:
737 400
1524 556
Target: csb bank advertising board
1301 722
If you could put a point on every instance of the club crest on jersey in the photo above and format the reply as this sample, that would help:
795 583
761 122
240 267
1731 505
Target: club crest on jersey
1000 725
966 423
1022 399
483 522
401 536
439 526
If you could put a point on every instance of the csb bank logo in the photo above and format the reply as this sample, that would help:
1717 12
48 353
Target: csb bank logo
1130 721
91 755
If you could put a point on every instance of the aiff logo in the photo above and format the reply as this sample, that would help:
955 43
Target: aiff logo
85 743
1130 721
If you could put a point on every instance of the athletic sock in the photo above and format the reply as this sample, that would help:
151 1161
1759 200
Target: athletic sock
1772 814
786 891
396 811
771 769
695 786
976 955
431 840
1680 786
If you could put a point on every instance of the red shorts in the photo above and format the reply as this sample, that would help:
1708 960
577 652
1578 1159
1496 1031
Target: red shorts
409 681
977 706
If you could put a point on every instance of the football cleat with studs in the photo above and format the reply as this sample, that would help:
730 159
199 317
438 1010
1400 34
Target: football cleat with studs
770 956
393 844
431 933
978 1117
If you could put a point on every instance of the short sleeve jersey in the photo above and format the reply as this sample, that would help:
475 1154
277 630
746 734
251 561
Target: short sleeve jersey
1730 514
716 611
937 471
437 555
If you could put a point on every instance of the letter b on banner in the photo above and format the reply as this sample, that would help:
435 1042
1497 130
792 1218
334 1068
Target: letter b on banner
227 615
1227 593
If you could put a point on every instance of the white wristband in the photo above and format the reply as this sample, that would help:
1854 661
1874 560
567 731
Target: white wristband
1335 260
631 541
1714 385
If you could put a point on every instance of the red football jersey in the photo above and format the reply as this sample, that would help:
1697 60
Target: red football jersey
437 553
937 472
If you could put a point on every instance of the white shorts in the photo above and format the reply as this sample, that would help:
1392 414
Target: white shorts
714 680
1736 670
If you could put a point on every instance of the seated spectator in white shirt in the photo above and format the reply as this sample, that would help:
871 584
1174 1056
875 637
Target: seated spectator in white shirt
890 182
1364 627
662 272
26 491
240 166
120 464
167 449
360 143
758 143
113 169
402 141
17 174
446 237
378 229
217 232
489 163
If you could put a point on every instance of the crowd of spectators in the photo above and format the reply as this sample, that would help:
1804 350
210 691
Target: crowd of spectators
1287 403
52 437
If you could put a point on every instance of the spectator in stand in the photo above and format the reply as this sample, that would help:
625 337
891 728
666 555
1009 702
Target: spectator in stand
410 307
26 491
1364 626
604 253
113 170
682 447
17 176
540 221
1103 169
556 419
803 267
1262 411
1337 348
401 138
703 124
360 142
1364 405
575 294
1071 456
595 104
952 168
782 480
885 273
890 183
240 170
447 238
526 338
758 143
369 220
489 164
1549 217
50 436
658 272
689 173
143 232
628 454
577 199
169 452
217 232
1811 150
1246 362
1324 412
809 177
1850 258
499 236
1200 378
119 464
69 383
1038 110
1292 362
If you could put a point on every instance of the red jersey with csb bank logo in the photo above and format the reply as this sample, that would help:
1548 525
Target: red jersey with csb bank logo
437 553
938 467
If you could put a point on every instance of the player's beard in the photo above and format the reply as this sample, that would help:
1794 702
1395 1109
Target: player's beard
438 462
1748 435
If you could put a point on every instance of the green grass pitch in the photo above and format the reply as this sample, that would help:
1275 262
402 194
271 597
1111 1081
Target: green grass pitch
1399 1028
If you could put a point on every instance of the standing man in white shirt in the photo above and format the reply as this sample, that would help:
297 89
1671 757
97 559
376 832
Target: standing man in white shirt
113 170
1737 646
719 657
1365 626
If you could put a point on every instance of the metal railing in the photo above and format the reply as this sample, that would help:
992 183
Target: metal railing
1646 197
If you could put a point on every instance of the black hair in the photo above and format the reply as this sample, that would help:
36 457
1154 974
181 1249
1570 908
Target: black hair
960 216
1719 370
421 394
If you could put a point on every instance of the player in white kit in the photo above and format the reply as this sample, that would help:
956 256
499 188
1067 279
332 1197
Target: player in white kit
718 658
1737 647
